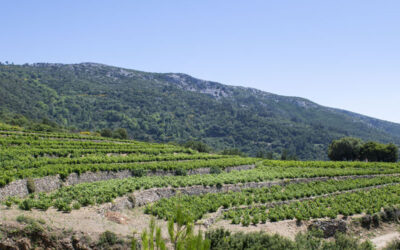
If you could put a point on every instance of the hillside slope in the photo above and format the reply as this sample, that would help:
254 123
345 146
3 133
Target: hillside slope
177 107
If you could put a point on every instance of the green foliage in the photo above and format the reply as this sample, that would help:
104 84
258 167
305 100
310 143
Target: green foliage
377 152
198 146
19 122
181 232
152 239
197 206
30 185
389 214
30 156
105 191
27 204
119 133
346 204
33 226
232 151
106 132
108 239
215 170
181 236
352 149
222 239
25 219
286 156
159 107
345 149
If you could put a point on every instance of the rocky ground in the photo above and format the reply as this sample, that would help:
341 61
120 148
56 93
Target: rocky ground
84 228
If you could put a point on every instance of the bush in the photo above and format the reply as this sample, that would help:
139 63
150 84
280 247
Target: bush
120 133
108 239
76 206
255 219
376 220
215 170
30 185
246 221
345 149
25 219
138 172
132 199
366 221
197 145
106 132
27 205
8 203
232 151
181 172
222 239
352 149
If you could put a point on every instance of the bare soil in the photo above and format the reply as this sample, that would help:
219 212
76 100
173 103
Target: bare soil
287 228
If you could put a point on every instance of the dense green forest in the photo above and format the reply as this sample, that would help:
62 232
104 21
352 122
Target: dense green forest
159 107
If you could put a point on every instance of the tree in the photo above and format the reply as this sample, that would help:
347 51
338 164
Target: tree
120 133
373 151
260 154
351 149
284 155
150 237
182 235
197 145
233 151
370 151
106 132
345 149
392 153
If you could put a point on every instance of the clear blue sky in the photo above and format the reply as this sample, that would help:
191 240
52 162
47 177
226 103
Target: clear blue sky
343 54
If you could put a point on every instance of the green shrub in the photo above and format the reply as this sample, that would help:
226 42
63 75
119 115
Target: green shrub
221 239
246 221
8 203
76 206
30 185
255 219
25 219
108 239
27 205
376 220
215 170
180 172
138 172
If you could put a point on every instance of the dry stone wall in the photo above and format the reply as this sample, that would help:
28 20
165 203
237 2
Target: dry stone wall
51 183
143 197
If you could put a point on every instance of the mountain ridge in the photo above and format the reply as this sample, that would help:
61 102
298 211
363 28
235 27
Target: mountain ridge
177 107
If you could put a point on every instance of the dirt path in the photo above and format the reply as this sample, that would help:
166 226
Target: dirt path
286 228
381 241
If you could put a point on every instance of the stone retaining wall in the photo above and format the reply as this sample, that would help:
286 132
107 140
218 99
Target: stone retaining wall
143 197
51 183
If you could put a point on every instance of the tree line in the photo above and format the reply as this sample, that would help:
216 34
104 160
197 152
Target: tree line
354 149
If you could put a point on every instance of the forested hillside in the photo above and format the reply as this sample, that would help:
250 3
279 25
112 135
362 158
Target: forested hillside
177 107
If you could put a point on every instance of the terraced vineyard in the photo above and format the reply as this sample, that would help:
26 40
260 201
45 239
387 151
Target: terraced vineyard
67 172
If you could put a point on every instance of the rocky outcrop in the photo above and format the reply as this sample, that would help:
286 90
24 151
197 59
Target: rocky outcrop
329 227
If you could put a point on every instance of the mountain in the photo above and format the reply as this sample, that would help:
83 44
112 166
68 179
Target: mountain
177 107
